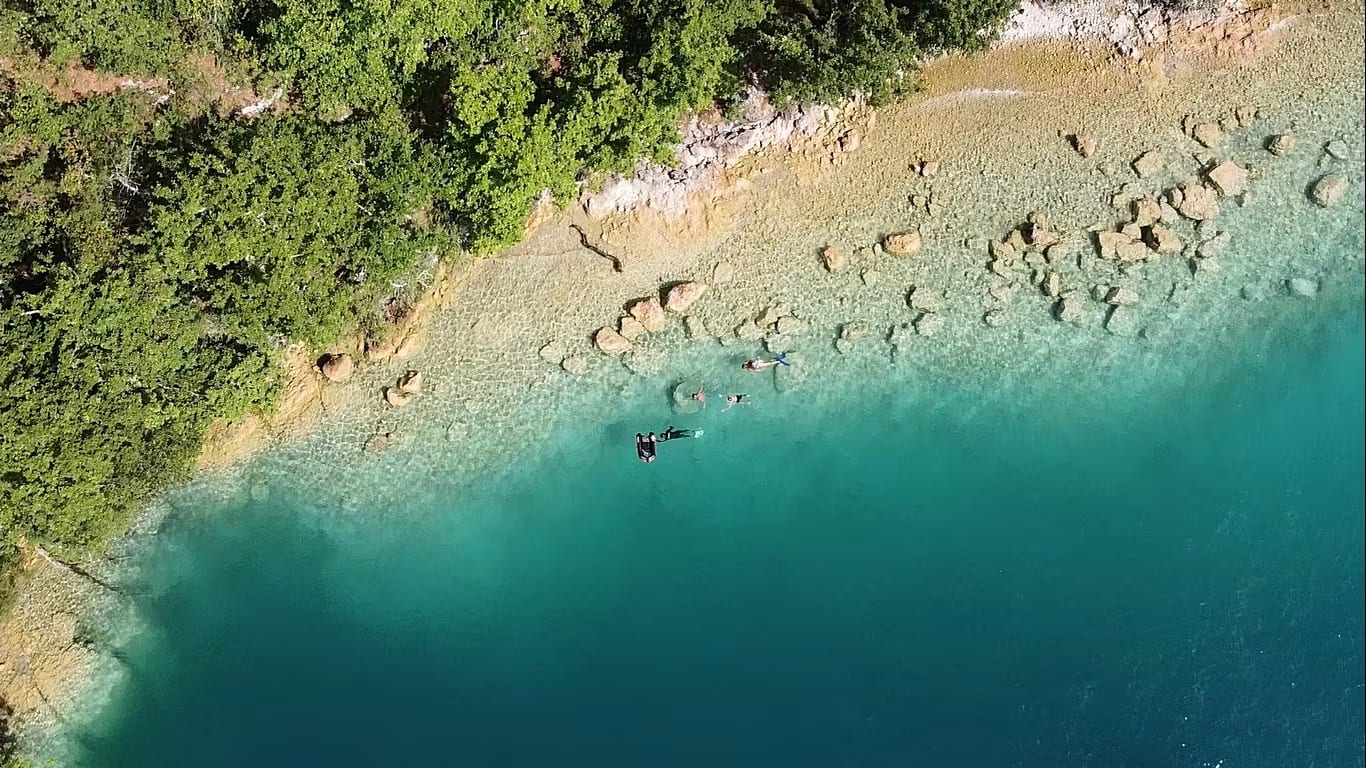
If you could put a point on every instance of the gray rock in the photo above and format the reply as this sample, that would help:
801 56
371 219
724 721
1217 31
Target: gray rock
1119 296
1253 292
1121 321
1328 191
748 330
696 328
1070 309
995 318
929 323
1302 286
722 273
1337 149
925 300
1229 178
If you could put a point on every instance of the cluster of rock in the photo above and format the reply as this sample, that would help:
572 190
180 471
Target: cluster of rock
650 315
408 386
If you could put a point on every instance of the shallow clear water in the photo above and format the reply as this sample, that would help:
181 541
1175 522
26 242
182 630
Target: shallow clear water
919 575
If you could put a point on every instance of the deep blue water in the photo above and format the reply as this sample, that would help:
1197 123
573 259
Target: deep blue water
1029 584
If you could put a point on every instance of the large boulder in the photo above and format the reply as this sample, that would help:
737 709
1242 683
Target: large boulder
1328 190
411 382
1198 202
902 243
681 297
1229 178
650 313
1149 163
337 367
611 342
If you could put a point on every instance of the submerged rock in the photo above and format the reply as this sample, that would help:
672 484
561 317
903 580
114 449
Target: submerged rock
575 365
1282 144
650 313
1121 321
1070 309
681 297
1120 296
397 397
1208 134
1302 286
696 328
902 243
790 326
995 318
552 353
1198 202
610 342
1229 178
924 300
644 362
834 259
1149 164
411 382
1085 144
1328 191
1337 149
631 328
722 273
929 323
1164 240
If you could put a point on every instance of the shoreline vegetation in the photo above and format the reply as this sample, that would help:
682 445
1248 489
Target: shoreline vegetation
191 194
178 261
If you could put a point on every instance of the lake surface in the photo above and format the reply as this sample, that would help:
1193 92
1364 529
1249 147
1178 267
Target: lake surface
908 574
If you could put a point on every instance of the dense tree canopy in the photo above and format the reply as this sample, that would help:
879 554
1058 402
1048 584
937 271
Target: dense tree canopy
155 256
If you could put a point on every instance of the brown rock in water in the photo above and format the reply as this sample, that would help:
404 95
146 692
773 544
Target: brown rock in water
337 367
681 297
1070 309
835 260
1147 212
1229 178
1164 240
1149 163
611 342
1208 134
1199 202
1052 284
1328 190
902 243
929 168
1281 144
411 382
1004 251
928 324
1085 144
1111 242
650 313
631 328
397 397
1121 297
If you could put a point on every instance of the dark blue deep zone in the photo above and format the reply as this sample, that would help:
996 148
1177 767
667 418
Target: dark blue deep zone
1031 585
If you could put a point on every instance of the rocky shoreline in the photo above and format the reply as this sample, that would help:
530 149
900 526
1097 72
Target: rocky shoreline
850 240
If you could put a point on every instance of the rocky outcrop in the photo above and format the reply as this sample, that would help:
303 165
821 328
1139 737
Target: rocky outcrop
681 297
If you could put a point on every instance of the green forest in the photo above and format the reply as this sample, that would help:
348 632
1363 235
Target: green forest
156 255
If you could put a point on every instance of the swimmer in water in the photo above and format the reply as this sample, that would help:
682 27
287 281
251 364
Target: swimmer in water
700 397
674 434
734 400
759 364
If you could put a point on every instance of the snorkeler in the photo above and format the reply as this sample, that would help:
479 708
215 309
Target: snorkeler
674 434
734 400
645 447
759 364
701 396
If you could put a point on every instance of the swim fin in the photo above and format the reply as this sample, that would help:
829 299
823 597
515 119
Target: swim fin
697 433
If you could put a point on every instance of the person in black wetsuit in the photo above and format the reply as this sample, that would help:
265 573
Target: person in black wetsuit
674 434
645 447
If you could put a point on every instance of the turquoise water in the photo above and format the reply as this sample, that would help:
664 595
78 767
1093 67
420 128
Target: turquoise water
1168 579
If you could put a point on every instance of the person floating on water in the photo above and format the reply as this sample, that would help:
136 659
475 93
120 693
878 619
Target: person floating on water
734 400
674 434
759 364
645 447
701 396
